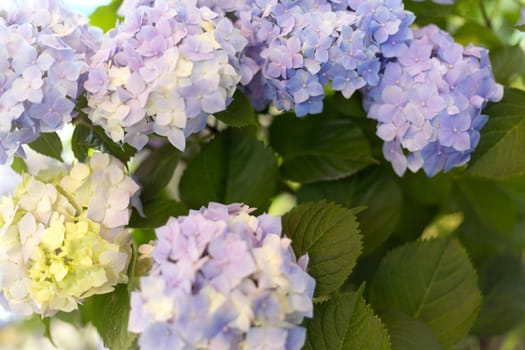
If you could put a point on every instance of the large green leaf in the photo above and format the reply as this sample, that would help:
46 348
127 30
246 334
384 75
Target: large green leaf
48 144
507 63
503 284
233 167
88 136
373 188
239 113
109 314
319 148
407 333
501 151
329 234
156 171
431 281
345 322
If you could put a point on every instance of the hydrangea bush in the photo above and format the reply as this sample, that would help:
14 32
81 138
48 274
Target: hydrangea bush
233 174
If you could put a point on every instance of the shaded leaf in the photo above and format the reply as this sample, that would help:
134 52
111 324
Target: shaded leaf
239 113
329 234
48 144
157 213
407 333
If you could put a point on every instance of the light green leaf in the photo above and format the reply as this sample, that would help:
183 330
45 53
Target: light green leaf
48 144
319 148
372 188
433 282
109 314
507 63
345 322
407 333
329 234
156 171
19 165
233 167
105 17
239 113
501 151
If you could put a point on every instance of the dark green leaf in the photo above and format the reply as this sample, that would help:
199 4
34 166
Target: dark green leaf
503 284
345 322
507 63
156 171
88 136
48 144
330 235
501 151
157 212
373 188
407 333
239 113
433 282
319 148
109 314
233 167
105 17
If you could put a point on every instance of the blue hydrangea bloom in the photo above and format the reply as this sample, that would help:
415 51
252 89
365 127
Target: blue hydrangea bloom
429 102
222 279
44 54
164 70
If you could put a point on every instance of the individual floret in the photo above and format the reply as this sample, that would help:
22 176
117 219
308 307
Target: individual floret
164 70
44 54
222 279
429 101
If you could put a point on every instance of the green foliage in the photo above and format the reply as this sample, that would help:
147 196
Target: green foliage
105 17
433 282
240 112
233 167
157 212
407 333
329 234
346 322
48 144
319 148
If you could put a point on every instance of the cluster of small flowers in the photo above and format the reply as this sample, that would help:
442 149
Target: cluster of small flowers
429 101
44 55
59 244
297 47
164 70
222 279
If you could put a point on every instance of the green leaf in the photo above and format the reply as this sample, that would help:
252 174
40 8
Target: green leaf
507 63
239 113
503 284
109 314
343 323
319 148
433 282
156 171
407 333
88 136
373 188
105 17
329 234
19 165
48 144
233 167
501 151
157 213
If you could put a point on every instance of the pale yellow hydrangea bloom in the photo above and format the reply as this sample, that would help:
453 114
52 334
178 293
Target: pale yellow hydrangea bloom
53 251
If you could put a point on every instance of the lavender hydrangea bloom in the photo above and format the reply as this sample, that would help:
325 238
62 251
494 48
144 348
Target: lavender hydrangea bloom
164 70
44 54
318 41
429 102
222 279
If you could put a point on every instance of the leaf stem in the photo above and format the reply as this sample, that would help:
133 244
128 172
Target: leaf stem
485 15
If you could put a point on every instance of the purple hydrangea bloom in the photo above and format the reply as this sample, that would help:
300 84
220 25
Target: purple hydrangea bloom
44 54
429 102
164 70
222 279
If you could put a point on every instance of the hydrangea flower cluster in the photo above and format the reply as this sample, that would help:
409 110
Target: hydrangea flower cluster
297 47
429 101
164 70
44 55
222 279
61 242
